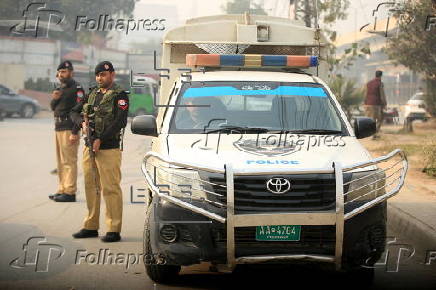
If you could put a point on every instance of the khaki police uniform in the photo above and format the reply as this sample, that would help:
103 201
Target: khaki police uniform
66 153
107 114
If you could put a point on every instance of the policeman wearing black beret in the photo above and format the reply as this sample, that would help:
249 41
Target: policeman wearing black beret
64 98
103 116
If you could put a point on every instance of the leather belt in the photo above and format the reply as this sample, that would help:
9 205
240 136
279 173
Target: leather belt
60 119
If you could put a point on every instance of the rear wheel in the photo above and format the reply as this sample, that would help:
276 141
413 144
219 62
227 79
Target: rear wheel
158 273
27 111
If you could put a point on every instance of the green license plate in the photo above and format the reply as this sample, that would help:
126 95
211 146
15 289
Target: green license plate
278 233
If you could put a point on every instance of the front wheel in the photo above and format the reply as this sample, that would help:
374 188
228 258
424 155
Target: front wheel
158 273
27 111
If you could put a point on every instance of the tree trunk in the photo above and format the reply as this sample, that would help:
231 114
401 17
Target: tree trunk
430 98
307 13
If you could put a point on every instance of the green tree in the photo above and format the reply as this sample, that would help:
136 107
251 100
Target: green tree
414 46
347 94
13 9
242 6
329 11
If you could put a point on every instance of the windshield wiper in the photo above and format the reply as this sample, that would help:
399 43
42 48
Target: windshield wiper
239 128
313 131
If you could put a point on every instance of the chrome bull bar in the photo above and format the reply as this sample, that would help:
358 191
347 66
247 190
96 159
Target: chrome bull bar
336 217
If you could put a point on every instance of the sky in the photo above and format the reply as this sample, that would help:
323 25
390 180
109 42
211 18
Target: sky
177 11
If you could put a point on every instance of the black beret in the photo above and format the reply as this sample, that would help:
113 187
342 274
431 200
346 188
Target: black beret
104 66
65 65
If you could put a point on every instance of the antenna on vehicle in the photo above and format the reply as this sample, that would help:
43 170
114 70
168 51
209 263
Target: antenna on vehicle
317 34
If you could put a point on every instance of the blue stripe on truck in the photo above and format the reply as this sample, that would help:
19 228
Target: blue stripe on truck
231 91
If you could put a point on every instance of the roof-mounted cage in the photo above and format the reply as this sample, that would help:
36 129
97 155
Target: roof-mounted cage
238 34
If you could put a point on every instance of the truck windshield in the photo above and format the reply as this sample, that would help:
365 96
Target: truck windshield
263 106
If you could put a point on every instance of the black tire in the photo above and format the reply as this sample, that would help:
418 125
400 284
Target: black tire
8 115
163 274
27 111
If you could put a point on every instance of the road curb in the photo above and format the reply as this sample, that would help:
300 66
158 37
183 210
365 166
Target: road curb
403 222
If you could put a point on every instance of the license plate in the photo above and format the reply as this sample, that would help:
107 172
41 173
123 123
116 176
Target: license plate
278 233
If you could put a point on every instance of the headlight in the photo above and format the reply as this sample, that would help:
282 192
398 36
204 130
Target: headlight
177 182
365 186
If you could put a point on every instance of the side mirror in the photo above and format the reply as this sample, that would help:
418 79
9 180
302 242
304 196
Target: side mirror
144 125
364 127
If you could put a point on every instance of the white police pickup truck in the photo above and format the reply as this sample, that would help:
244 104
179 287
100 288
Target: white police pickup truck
254 161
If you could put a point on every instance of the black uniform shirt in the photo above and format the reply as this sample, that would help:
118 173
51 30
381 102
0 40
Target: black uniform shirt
71 94
110 137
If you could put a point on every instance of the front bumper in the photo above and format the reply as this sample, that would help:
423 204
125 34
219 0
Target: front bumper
350 233
201 239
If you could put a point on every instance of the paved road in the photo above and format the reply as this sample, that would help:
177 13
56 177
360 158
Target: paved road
31 225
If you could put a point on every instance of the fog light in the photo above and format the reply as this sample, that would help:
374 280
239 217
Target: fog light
168 233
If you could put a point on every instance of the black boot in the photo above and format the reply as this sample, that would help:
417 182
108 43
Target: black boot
111 237
84 233
65 198
52 196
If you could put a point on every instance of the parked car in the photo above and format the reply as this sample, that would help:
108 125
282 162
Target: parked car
415 108
391 116
14 103
2 113
141 96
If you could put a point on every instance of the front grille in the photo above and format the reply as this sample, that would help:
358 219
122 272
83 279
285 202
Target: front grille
309 192
313 240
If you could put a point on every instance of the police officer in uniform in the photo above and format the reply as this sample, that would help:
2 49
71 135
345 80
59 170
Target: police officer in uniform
65 97
103 116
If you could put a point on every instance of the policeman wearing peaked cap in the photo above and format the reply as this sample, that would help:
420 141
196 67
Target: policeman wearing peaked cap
103 116
64 98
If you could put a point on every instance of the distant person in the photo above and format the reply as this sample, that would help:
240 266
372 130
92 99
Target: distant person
375 101
65 97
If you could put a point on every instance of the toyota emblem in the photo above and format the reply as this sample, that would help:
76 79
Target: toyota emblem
278 185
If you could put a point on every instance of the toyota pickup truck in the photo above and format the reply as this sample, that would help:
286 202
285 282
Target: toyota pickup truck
252 160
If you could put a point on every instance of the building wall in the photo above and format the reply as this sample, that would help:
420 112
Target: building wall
12 76
30 58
